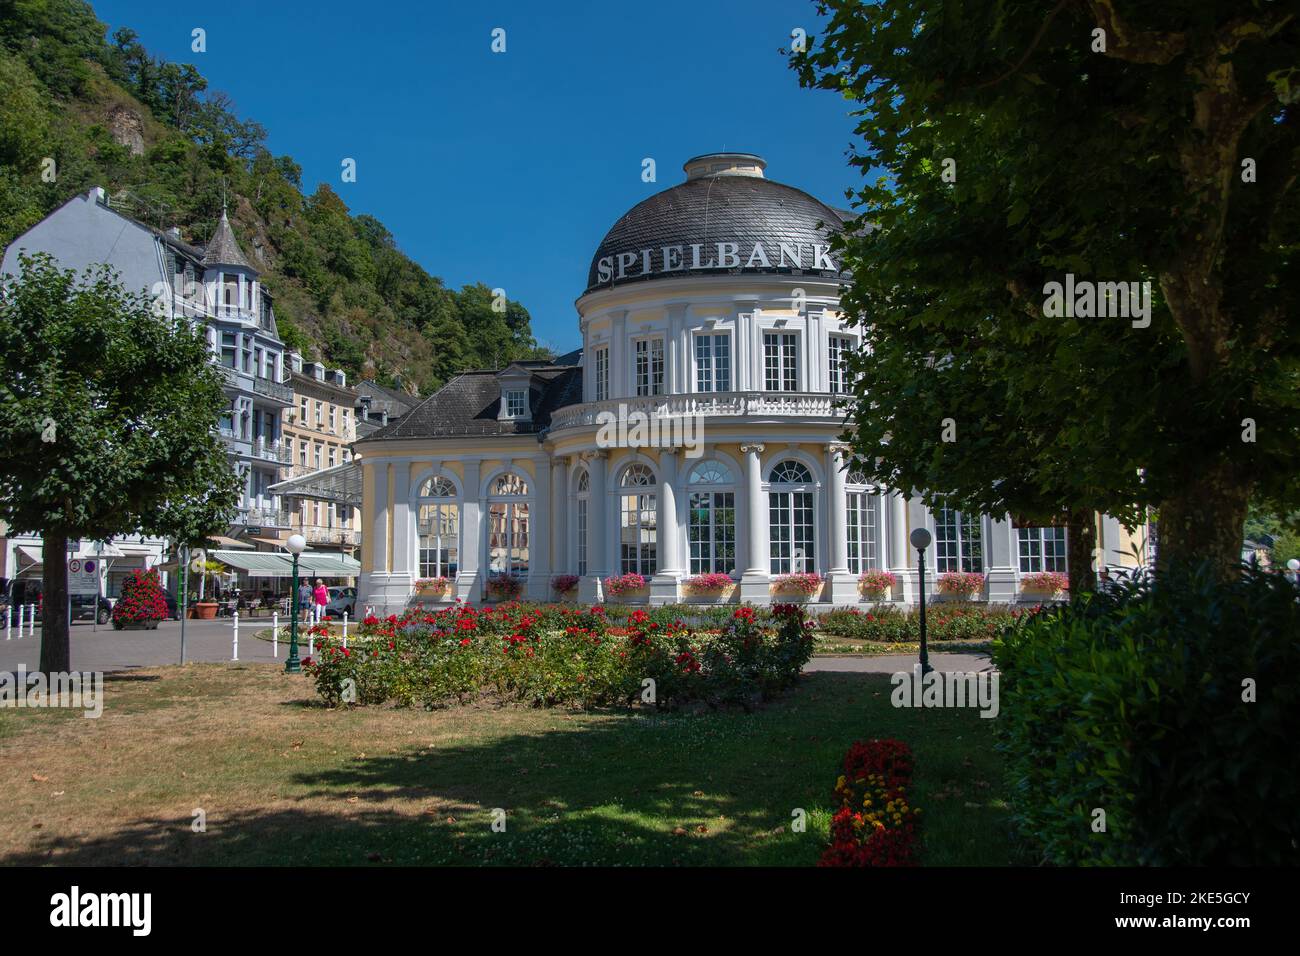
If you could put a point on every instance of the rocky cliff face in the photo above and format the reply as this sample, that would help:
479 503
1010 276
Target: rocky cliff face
127 128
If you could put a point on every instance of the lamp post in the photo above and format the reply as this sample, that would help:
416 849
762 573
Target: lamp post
920 539
1294 567
295 546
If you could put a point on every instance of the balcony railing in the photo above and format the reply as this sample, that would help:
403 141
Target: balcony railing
264 517
722 404
281 393
316 534
279 452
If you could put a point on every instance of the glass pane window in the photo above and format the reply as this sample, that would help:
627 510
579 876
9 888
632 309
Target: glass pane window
439 531
791 517
713 363
864 545
516 403
582 535
781 361
958 541
638 529
649 366
1041 549
602 374
711 527
837 353
508 537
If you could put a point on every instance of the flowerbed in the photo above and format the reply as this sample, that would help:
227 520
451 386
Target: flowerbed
555 655
943 622
874 825
961 583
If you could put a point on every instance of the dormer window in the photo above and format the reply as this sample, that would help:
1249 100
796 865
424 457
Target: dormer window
516 403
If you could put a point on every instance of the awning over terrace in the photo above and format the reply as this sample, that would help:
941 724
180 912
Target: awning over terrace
341 484
267 564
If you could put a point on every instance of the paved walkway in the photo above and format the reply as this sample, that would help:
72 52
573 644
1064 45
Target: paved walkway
108 650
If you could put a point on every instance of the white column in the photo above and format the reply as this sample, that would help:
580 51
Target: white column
619 357
843 583
403 550
379 526
754 580
591 589
559 519
663 587
540 533
467 578
899 550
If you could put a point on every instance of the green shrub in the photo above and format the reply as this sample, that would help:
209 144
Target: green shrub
1132 702
943 622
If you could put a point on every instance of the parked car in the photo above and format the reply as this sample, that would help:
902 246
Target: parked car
342 600
83 607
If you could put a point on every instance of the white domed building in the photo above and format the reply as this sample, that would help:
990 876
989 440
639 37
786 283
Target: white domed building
696 432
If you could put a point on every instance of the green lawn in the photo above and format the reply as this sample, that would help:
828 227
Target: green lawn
283 781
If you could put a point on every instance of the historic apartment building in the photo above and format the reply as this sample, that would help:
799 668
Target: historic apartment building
215 285
697 430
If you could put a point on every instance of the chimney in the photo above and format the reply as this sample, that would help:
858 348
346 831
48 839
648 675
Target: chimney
383 416
98 195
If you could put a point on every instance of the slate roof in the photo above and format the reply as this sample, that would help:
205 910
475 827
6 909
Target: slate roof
468 405
222 249
723 208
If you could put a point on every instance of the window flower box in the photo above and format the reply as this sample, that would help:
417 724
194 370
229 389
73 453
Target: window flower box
712 588
504 587
876 584
565 586
1044 582
803 585
433 587
627 588
961 585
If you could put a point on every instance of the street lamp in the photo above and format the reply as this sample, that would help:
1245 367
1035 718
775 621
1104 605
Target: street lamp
1294 567
920 539
295 546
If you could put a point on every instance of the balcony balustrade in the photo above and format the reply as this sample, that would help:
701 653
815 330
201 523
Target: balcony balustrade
803 405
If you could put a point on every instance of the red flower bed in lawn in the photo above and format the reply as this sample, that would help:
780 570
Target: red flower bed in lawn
875 825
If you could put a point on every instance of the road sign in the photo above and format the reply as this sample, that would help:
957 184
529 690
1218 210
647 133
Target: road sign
83 576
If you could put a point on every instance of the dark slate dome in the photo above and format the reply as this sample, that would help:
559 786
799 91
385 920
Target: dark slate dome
725 201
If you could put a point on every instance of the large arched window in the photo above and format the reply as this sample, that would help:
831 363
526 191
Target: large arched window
583 486
863 523
438 529
711 525
638 530
792 517
958 541
508 525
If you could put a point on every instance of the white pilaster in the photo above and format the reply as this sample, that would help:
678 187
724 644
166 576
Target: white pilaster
755 579
1002 554
663 586
468 577
559 519
540 534
900 552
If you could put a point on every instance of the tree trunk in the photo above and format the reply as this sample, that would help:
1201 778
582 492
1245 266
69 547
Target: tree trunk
1080 542
1204 521
55 651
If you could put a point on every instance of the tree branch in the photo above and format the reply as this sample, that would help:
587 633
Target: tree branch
1124 43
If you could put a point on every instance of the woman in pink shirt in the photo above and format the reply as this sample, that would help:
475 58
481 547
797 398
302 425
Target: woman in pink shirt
322 597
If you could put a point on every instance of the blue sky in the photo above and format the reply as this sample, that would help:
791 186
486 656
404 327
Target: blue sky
509 168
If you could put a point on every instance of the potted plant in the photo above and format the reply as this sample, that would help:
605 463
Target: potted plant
626 586
963 585
142 603
803 584
207 610
876 584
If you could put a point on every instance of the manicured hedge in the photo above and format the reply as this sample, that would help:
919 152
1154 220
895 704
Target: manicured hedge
943 622
546 655
1133 703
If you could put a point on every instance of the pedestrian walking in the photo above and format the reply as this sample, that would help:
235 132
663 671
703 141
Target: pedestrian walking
322 596
306 604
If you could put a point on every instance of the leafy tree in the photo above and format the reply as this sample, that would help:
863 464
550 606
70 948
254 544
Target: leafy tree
1115 140
108 418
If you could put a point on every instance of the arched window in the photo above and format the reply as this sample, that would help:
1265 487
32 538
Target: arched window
958 541
438 529
638 531
584 498
508 528
792 517
711 524
863 513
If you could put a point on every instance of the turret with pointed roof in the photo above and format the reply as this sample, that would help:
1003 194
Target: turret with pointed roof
222 249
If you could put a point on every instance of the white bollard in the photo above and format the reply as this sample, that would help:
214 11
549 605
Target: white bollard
234 644
31 619
311 643
345 628
275 636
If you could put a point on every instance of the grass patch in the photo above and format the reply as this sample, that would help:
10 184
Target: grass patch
284 781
